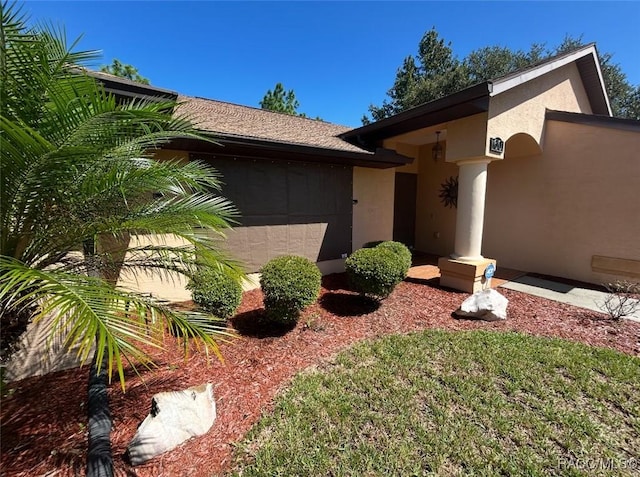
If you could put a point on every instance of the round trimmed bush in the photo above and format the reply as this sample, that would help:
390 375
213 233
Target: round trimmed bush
374 271
401 250
216 292
289 284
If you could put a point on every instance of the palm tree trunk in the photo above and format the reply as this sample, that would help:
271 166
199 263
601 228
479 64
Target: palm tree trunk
99 456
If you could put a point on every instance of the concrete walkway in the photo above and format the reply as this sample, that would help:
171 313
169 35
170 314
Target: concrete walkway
576 296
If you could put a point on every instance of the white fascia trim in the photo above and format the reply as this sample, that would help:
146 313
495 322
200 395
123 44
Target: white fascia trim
601 78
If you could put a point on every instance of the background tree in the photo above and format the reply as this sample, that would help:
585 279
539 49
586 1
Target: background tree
122 70
77 181
434 72
282 101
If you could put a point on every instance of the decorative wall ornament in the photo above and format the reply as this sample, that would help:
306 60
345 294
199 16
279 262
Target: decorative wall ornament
449 192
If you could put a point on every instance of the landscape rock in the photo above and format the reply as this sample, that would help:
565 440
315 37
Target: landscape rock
175 417
488 305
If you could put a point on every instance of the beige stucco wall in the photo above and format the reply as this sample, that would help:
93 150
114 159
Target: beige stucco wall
167 154
373 214
435 223
408 150
522 108
466 137
165 285
552 212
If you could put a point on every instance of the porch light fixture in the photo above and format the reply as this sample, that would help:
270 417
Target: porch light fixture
436 151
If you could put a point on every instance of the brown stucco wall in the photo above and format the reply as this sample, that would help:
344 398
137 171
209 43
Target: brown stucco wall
552 212
372 220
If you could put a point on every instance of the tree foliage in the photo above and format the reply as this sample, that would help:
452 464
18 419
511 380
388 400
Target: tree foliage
435 72
282 101
123 70
80 199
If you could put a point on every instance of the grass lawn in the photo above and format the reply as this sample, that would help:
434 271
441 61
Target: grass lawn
465 403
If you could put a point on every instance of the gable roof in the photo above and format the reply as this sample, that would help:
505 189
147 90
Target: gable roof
475 99
586 59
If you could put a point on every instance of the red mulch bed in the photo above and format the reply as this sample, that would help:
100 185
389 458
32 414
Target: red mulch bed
44 421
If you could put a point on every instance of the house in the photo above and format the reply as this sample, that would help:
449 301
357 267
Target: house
547 181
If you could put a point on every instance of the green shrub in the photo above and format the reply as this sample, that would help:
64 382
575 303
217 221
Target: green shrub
372 244
374 271
402 251
215 292
289 284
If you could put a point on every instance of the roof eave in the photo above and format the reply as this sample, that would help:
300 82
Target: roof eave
594 120
130 89
469 101
233 146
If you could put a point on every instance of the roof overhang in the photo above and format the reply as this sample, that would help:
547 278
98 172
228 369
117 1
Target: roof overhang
468 102
475 99
586 60
126 89
245 147
594 120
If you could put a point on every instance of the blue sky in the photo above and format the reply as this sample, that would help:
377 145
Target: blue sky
339 57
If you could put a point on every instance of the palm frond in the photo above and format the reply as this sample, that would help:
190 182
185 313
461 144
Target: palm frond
76 169
88 309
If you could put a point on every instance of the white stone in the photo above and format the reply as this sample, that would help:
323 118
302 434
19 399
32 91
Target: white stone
175 417
488 305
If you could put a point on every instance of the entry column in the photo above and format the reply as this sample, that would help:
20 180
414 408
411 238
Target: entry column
472 187
464 269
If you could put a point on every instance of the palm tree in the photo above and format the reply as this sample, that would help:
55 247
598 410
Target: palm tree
77 184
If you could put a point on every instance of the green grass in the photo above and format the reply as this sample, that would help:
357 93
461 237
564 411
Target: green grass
469 403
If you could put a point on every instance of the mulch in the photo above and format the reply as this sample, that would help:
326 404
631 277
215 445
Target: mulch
43 423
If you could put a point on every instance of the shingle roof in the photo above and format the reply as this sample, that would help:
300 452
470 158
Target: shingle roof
233 120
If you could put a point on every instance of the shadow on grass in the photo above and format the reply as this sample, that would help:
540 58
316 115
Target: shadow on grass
255 324
343 304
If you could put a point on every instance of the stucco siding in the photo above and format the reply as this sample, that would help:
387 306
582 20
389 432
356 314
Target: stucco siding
466 137
168 154
552 212
522 108
259 243
373 189
435 223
